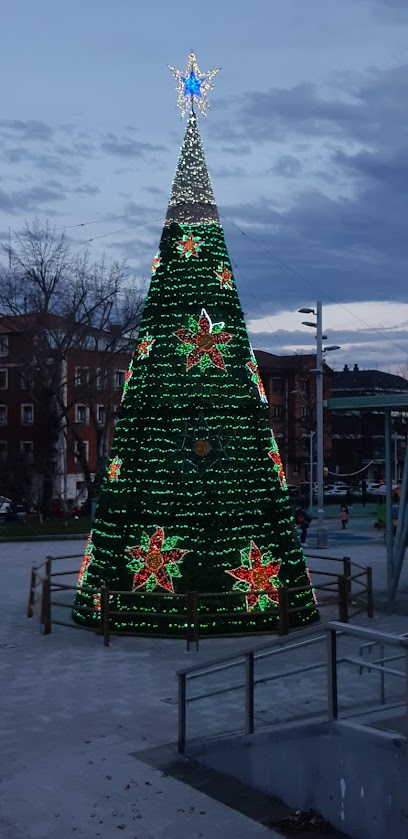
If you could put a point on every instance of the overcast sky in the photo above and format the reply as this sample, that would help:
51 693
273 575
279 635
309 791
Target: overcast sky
306 144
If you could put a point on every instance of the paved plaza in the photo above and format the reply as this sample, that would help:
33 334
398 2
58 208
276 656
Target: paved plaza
74 714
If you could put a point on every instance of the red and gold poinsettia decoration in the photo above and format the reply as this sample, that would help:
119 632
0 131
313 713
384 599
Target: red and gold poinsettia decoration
156 262
128 377
88 557
114 469
155 562
256 377
257 577
205 343
278 465
145 346
189 245
224 275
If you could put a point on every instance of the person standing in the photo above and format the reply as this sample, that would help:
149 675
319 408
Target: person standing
344 515
303 520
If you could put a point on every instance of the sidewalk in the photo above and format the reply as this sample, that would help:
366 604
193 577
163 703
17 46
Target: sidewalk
73 714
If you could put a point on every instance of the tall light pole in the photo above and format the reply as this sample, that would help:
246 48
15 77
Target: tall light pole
311 436
321 530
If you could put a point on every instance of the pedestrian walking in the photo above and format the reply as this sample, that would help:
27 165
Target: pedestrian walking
344 515
303 520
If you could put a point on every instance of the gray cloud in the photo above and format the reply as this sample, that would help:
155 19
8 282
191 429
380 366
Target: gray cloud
128 147
366 110
26 131
287 166
86 189
29 200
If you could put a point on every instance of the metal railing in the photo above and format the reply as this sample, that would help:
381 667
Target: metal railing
249 657
372 636
340 588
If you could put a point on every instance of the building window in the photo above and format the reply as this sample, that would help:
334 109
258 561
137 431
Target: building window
81 376
82 449
27 414
3 378
81 414
3 414
3 450
100 414
27 450
26 379
4 344
278 385
100 379
304 412
119 379
278 411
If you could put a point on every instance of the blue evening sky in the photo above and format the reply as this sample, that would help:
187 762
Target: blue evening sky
306 144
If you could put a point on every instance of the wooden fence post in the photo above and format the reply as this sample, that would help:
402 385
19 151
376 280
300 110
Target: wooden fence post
31 596
196 623
343 599
105 615
46 617
189 619
370 598
283 611
347 575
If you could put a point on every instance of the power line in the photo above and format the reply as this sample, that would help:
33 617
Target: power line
108 218
116 232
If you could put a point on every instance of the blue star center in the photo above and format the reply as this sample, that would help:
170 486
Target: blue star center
192 85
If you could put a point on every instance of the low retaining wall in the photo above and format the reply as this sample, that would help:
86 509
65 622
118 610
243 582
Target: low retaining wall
356 776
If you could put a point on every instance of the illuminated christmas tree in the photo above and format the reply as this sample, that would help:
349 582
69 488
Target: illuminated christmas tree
194 497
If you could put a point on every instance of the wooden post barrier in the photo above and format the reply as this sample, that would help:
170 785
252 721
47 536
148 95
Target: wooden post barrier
196 623
48 566
370 597
342 584
347 575
105 615
31 596
46 616
283 611
189 619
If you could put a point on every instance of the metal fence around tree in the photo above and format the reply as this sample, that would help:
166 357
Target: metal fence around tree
347 591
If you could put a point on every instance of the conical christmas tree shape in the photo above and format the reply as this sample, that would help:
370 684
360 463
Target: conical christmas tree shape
194 497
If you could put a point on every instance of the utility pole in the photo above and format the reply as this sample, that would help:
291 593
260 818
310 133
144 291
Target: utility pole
321 530
318 326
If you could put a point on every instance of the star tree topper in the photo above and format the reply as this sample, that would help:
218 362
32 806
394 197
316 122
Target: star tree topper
193 86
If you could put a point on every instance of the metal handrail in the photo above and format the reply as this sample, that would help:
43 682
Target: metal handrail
240 657
333 629
370 634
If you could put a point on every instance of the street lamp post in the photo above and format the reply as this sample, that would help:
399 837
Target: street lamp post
311 436
321 530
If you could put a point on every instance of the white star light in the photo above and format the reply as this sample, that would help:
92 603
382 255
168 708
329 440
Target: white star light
193 86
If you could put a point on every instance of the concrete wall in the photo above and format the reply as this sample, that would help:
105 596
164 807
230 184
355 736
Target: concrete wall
356 776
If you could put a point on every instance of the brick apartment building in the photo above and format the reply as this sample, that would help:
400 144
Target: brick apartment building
89 387
290 386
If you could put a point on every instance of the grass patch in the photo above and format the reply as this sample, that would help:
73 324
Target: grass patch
51 527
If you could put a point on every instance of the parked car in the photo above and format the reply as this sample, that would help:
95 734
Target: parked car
339 489
4 505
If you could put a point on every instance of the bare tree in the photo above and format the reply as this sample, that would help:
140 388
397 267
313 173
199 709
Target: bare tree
58 302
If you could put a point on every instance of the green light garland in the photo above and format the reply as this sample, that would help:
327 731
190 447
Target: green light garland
194 497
